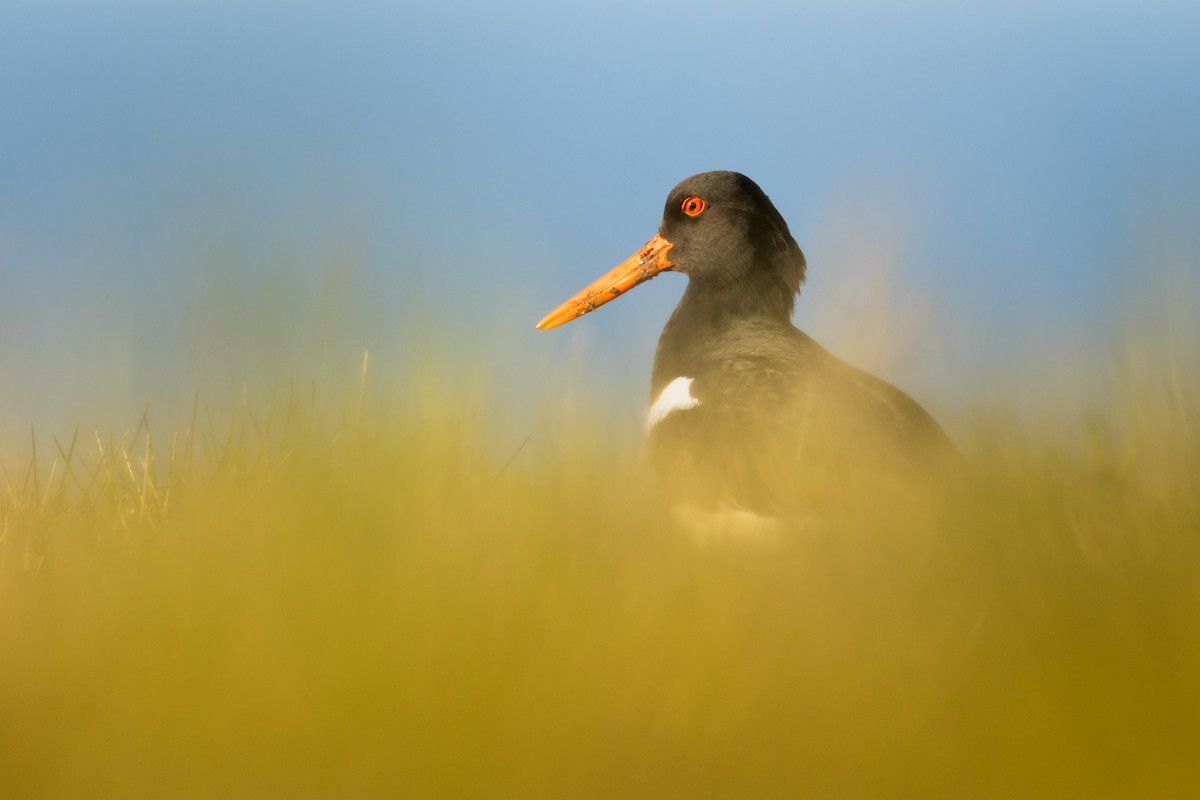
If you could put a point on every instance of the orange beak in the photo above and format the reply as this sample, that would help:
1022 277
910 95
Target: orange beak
641 266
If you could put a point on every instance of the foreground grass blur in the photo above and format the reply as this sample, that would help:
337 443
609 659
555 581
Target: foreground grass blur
349 598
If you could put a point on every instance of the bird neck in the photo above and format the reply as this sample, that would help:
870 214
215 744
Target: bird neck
709 304
711 311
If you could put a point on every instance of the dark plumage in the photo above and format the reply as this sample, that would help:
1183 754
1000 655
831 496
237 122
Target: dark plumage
770 421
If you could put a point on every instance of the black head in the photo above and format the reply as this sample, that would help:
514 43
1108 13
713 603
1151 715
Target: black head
721 231
726 233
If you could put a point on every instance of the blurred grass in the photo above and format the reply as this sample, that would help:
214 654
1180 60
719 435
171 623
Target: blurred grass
363 594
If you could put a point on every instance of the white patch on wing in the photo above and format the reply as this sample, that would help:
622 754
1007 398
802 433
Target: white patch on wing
676 397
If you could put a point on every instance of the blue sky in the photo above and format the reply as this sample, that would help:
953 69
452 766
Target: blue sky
965 181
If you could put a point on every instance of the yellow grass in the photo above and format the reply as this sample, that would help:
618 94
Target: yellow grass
365 596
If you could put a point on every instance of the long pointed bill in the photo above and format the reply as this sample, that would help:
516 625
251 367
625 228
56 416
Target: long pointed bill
641 266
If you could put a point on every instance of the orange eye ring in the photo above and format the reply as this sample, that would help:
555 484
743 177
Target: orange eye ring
693 206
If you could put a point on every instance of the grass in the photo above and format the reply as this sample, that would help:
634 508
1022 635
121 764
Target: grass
362 595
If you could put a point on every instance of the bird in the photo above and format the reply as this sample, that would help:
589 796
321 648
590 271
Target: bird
749 415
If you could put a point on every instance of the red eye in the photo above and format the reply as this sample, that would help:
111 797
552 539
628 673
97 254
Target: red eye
692 206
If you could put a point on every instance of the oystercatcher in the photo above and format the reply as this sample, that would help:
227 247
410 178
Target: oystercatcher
748 413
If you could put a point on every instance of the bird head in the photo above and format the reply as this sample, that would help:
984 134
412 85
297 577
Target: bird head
720 230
